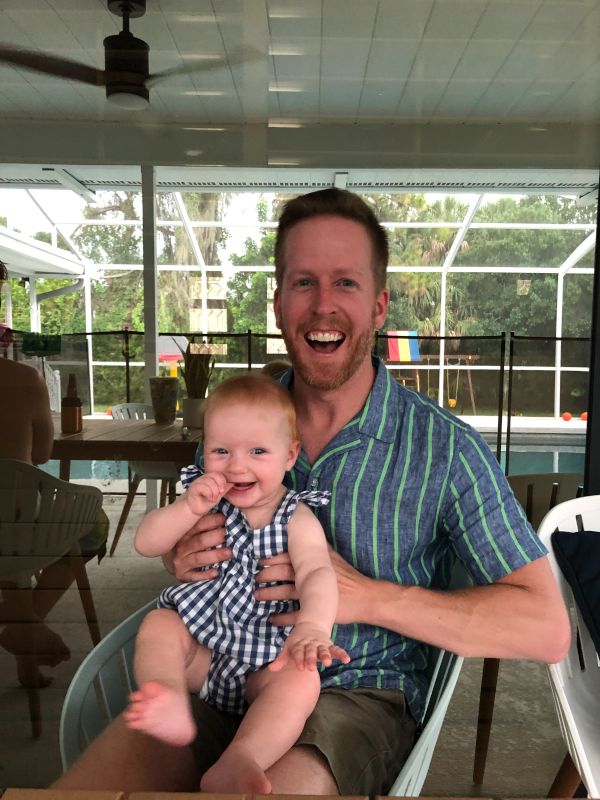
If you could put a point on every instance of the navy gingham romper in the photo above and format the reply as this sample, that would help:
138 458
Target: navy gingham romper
222 613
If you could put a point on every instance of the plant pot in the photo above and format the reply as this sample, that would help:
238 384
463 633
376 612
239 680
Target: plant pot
163 393
192 411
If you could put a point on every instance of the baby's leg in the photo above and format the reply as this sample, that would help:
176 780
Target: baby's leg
168 664
280 703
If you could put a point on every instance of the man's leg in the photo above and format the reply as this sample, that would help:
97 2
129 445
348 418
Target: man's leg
302 770
121 759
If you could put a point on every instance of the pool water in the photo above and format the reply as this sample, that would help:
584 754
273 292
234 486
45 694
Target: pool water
523 461
96 470
530 461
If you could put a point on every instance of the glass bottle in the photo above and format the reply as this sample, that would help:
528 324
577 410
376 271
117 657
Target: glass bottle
71 409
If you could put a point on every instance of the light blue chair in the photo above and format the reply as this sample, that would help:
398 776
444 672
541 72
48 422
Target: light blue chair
101 686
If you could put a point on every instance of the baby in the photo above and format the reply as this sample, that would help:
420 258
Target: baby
212 636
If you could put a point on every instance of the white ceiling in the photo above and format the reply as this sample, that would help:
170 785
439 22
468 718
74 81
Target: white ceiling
340 84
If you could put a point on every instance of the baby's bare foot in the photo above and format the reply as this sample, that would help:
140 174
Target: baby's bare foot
161 712
235 772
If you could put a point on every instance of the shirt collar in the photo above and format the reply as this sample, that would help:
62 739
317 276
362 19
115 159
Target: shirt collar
378 416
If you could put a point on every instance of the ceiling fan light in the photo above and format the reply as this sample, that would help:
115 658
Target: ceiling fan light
128 100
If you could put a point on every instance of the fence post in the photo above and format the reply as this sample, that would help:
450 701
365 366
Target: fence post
511 355
500 396
249 348
127 357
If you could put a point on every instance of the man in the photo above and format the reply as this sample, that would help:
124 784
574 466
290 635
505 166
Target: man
26 434
411 486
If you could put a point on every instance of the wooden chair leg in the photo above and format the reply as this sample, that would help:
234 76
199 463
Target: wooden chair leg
31 673
87 600
172 491
164 485
567 779
487 697
124 513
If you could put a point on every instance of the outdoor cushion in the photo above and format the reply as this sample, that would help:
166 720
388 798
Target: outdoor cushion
578 556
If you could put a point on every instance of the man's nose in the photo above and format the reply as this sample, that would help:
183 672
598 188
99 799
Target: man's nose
324 301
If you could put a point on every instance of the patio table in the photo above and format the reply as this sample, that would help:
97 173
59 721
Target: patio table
123 440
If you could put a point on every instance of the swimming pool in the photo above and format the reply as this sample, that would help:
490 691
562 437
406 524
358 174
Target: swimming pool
524 460
105 471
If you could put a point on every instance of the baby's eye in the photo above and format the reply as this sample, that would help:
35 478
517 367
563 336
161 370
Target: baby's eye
220 451
258 451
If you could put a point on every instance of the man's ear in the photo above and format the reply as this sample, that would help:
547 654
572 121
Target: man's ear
382 302
277 307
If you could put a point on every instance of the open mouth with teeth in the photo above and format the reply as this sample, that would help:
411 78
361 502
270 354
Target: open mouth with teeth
242 487
324 341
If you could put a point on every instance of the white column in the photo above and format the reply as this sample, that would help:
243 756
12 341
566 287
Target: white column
150 297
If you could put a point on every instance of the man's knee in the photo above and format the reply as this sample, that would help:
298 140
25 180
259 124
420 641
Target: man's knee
302 770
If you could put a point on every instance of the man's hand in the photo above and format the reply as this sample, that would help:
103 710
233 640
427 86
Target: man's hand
353 589
305 646
196 550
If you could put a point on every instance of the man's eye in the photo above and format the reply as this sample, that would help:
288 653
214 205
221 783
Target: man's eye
302 282
347 282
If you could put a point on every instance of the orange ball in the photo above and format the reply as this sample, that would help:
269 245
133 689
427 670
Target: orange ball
584 416
566 415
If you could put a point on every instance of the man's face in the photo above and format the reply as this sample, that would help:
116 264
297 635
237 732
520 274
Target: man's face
327 306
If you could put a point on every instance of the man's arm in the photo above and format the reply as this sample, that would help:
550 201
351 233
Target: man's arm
519 616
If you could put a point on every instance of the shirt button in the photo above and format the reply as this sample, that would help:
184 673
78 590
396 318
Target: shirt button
314 484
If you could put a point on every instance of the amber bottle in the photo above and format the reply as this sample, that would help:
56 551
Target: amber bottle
71 410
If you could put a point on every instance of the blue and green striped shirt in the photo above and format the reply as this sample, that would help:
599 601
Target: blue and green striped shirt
412 487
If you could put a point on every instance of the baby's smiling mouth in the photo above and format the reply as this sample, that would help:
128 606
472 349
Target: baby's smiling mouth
324 341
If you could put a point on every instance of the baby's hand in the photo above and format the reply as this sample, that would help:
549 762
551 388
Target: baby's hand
205 491
305 646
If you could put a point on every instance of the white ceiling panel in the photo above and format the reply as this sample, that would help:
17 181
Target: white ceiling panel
402 19
412 65
481 60
455 20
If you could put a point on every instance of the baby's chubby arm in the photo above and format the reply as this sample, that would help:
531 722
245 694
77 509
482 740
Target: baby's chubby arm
316 583
161 529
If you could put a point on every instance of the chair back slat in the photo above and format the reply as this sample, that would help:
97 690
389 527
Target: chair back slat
538 493
132 411
41 518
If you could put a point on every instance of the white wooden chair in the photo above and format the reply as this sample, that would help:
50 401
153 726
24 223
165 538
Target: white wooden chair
42 519
575 681
164 471
537 493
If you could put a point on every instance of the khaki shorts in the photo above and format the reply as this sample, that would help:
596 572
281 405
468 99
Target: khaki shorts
365 735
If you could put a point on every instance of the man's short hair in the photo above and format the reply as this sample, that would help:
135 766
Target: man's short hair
337 203
3 271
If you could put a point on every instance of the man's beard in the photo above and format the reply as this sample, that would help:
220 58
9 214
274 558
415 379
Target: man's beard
325 378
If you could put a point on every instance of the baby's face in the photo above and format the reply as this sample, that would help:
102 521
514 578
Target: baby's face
251 445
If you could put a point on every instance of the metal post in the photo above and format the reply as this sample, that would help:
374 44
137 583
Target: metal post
501 397
511 354
591 481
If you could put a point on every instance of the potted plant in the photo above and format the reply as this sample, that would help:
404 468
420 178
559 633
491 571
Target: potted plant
198 364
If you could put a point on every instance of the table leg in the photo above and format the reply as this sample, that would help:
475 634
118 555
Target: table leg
567 779
65 469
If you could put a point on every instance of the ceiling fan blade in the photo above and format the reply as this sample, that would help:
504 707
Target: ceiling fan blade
52 65
243 55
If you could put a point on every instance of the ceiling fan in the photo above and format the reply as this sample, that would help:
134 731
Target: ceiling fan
126 76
